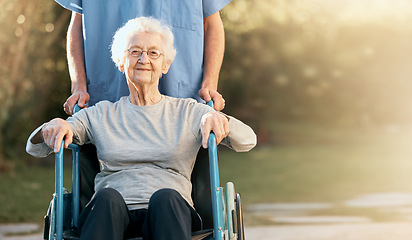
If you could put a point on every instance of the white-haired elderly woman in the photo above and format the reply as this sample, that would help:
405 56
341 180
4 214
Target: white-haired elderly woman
146 143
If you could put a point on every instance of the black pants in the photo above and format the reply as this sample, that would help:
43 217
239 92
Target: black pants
168 216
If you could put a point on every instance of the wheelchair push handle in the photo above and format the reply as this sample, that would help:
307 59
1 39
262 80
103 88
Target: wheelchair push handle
212 137
76 108
210 103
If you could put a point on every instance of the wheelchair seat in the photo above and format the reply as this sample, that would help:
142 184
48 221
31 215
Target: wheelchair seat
209 205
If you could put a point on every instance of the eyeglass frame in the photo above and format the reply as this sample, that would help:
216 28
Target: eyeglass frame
146 51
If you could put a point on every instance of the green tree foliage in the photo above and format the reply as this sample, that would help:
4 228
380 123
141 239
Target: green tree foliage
333 62
33 69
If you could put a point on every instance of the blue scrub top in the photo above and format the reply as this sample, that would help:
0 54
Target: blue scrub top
102 18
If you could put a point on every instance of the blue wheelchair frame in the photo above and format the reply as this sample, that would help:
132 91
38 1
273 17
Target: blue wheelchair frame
220 222
215 189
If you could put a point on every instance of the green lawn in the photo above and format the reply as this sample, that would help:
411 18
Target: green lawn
26 193
305 163
312 163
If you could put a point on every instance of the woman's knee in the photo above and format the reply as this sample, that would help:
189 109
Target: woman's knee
105 217
166 196
108 196
169 215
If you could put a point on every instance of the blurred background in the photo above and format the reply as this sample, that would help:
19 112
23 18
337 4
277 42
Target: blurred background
325 84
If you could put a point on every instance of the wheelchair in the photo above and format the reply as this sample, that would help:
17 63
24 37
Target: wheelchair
221 214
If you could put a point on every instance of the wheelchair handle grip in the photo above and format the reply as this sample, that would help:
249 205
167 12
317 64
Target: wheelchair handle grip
210 103
212 137
76 108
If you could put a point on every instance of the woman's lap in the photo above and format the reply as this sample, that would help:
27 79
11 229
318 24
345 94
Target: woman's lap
169 216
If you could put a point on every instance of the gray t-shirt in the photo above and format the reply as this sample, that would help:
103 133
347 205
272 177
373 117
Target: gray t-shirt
142 149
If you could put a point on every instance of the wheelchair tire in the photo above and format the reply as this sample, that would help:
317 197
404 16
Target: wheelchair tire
47 222
239 218
52 220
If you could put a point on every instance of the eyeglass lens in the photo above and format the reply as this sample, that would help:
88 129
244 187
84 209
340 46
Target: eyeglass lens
152 53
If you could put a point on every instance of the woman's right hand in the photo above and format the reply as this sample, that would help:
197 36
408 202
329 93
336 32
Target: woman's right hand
55 131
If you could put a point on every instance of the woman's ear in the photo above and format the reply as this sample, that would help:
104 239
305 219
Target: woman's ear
121 64
166 67
121 67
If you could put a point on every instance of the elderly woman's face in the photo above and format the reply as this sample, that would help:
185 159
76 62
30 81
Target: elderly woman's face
144 68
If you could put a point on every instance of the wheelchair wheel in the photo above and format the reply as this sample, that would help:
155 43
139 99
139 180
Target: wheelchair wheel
51 221
47 219
234 214
231 211
241 230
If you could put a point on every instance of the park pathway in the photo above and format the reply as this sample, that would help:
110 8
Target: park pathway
357 231
296 221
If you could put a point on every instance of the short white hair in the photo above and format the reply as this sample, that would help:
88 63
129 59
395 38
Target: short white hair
138 25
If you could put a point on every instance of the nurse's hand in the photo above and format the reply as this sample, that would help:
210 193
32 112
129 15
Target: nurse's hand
212 95
79 97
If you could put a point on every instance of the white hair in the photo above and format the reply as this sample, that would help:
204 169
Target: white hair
142 24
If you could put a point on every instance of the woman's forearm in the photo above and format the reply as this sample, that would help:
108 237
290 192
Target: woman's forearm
241 137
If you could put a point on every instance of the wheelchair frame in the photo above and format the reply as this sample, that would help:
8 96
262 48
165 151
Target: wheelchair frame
229 220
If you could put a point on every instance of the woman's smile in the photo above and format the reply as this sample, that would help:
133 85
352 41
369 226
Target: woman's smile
143 69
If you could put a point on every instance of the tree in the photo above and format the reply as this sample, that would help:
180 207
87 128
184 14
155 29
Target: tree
33 62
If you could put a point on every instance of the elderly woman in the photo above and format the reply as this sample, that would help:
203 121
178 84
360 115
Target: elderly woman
146 143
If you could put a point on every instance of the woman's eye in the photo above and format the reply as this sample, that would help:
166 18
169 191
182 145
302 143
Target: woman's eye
135 52
153 52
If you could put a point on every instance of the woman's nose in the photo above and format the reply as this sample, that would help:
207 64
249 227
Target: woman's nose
144 58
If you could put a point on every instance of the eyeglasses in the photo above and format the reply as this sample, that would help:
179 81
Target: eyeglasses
151 53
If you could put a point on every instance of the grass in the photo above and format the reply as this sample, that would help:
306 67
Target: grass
305 163
26 193
313 163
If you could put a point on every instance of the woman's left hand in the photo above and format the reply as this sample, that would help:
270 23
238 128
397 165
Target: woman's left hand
216 122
